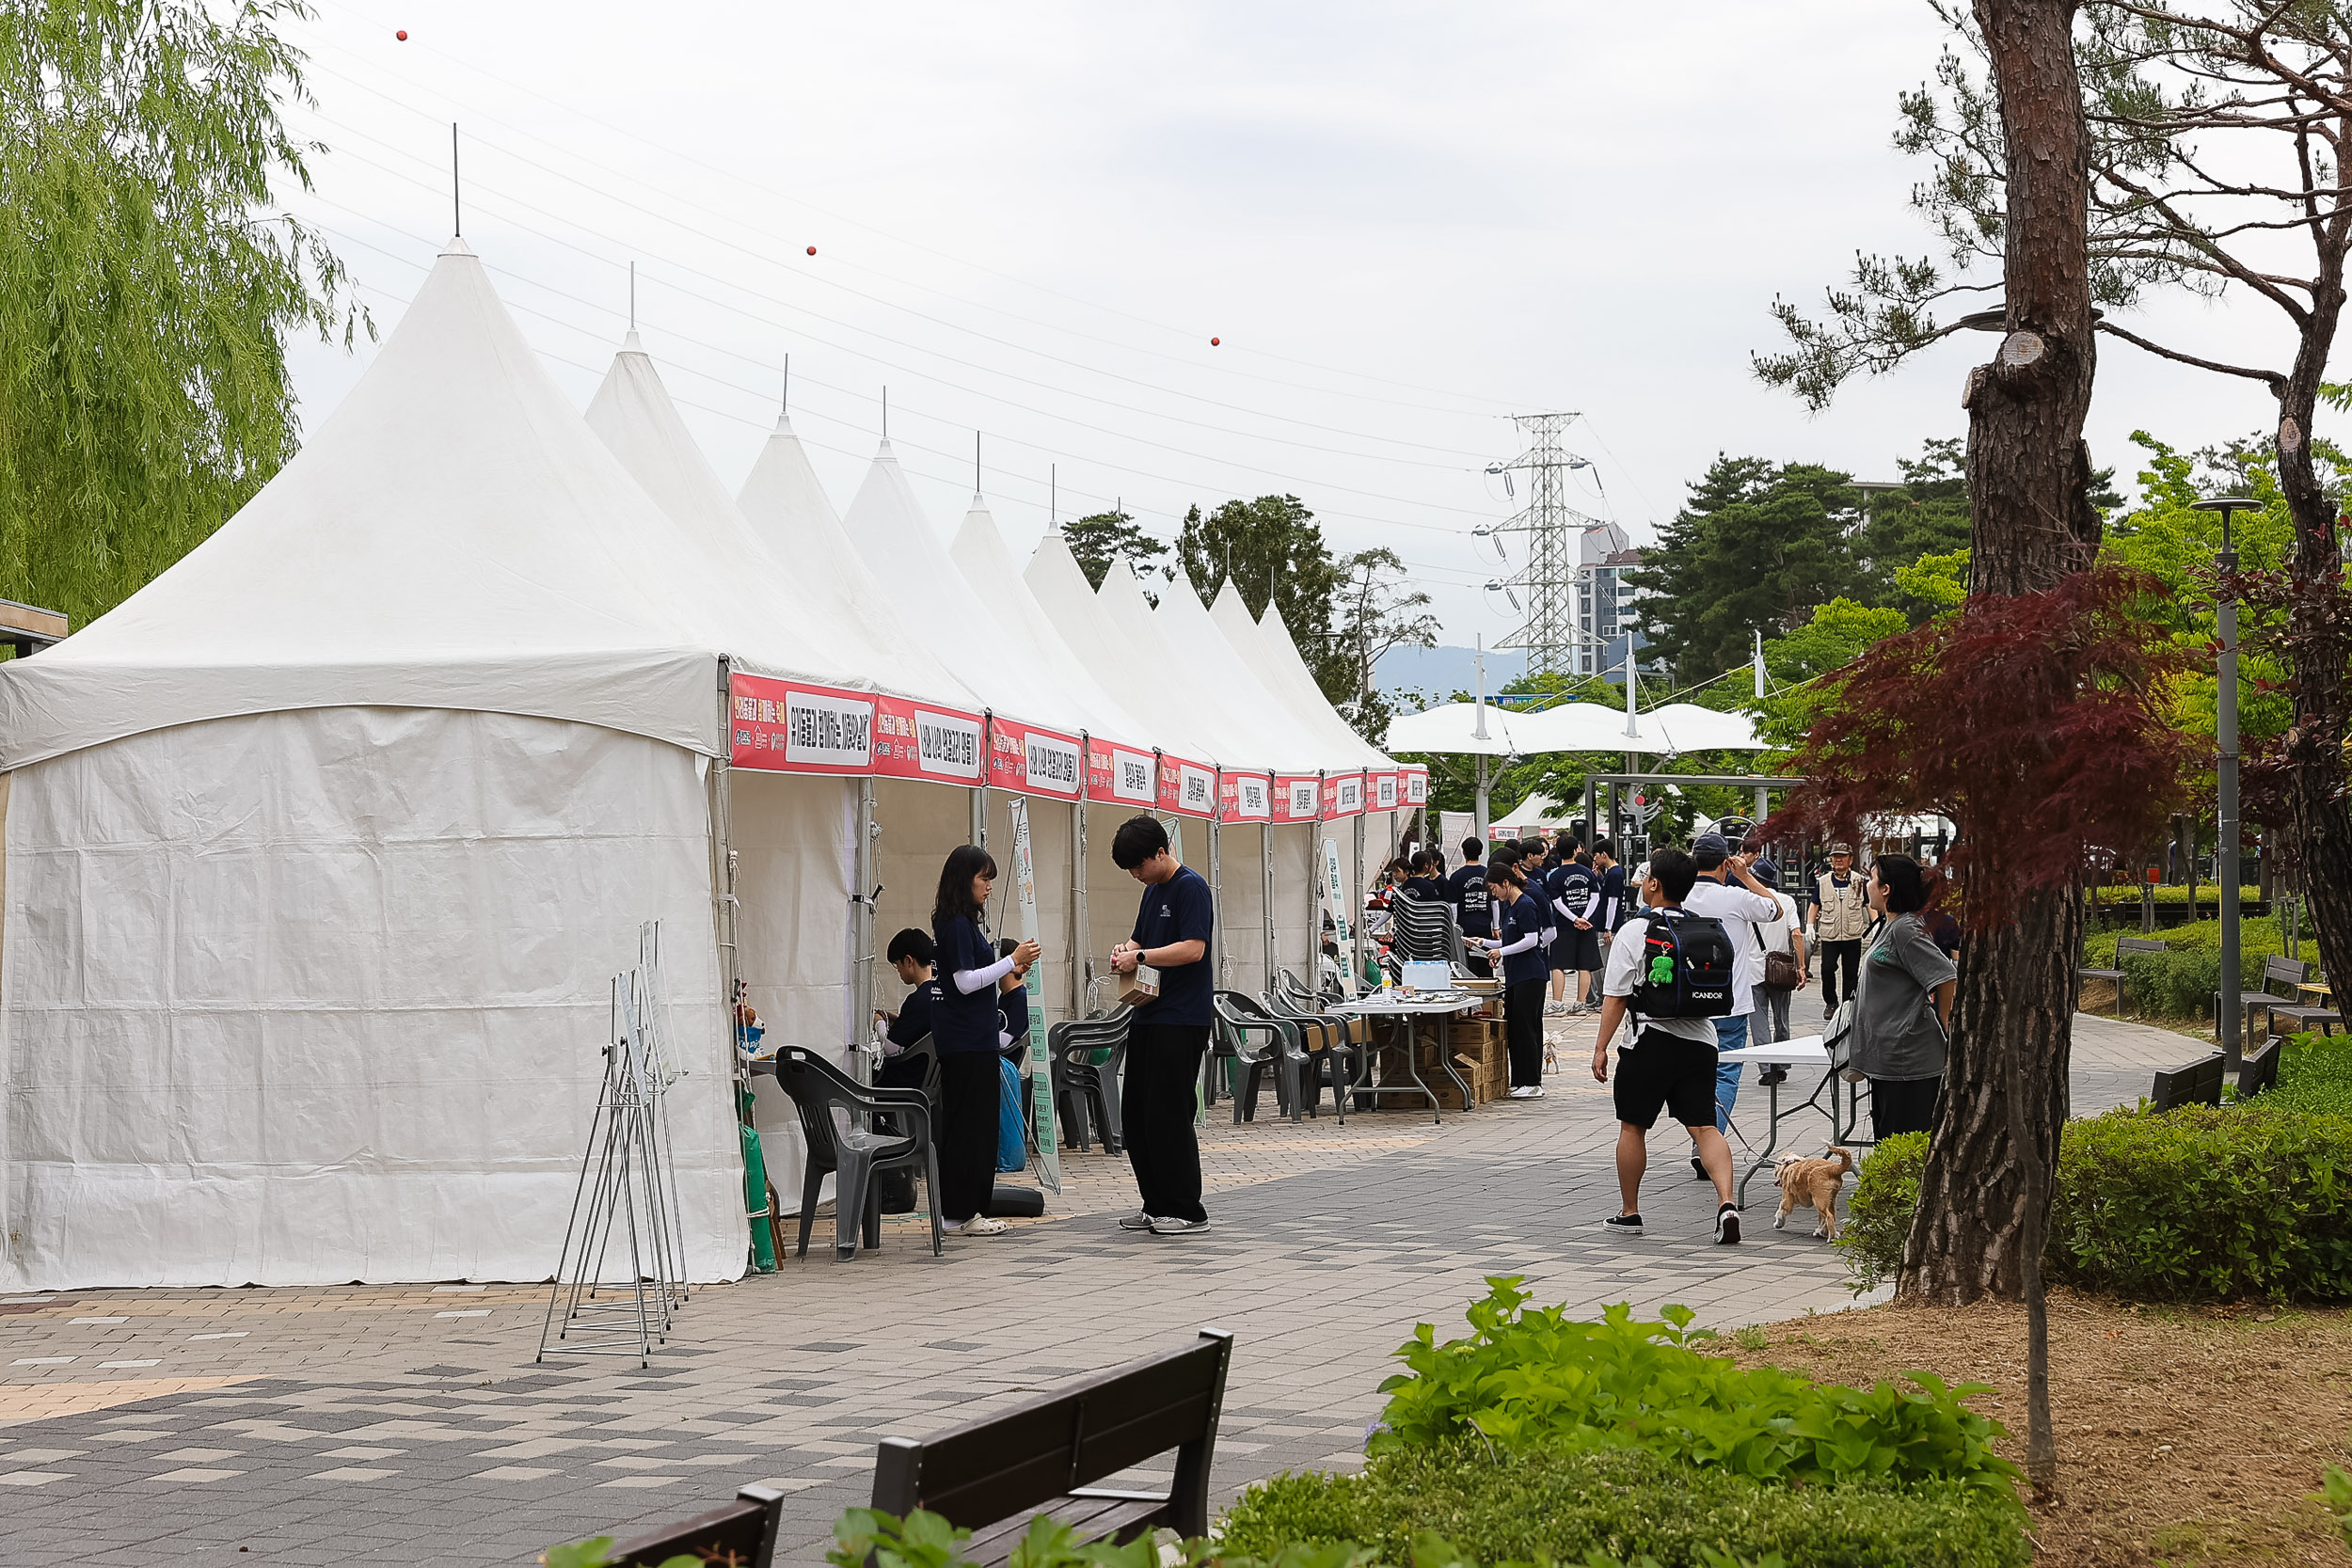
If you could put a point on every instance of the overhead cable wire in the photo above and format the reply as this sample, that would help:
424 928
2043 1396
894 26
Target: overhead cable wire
690 159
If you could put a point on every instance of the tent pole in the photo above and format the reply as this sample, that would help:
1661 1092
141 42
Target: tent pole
1312 971
1082 938
1217 899
1265 893
862 909
723 857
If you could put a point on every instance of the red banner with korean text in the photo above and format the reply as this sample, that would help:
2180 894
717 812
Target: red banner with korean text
1297 798
786 726
1385 789
1246 798
1028 760
1186 789
1121 776
1343 794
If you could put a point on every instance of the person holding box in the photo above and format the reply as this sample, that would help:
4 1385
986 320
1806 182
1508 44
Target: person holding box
1170 1033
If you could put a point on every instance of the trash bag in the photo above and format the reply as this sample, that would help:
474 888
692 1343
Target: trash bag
1012 1123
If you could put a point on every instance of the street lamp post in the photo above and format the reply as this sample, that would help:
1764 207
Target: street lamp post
2225 781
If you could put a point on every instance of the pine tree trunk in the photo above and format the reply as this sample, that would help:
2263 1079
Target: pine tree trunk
2319 619
1984 1197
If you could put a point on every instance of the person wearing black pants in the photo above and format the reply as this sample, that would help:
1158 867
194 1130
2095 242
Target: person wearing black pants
1518 946
1168 1034
965 1025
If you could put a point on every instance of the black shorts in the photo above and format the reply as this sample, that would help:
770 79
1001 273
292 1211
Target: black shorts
1666 1071
1587 948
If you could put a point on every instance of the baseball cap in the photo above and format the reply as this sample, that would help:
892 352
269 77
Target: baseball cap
1841 848
1710 850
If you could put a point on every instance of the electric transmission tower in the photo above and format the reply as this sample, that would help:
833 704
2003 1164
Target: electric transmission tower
1545 590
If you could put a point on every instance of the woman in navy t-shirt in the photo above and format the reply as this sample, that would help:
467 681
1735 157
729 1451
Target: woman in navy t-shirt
965 1024
1519 945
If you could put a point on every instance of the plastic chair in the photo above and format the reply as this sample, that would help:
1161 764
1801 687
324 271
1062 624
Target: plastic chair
853 1156
1081 1085
1238 1018
1324 1037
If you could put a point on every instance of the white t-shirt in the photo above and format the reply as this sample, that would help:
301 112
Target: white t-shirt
1776 932
1623 971
1736 907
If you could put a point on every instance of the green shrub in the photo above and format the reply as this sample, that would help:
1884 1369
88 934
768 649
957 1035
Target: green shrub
2202 1203
1538 1379
1878 1215
2180 982
2169 896
927 1541
2315 1074
1536 1506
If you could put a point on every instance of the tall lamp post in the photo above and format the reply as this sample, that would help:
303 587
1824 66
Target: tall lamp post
2225 781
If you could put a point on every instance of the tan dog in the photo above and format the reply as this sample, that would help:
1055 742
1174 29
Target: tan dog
1815 1184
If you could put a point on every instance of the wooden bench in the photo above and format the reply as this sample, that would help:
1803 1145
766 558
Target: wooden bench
740 1535
2123 946
2276 1004
1043 1457
2198 1084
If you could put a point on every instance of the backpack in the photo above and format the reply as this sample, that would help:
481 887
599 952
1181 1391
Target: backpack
1686 967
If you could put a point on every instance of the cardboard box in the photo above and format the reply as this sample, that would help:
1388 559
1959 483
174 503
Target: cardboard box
1141 987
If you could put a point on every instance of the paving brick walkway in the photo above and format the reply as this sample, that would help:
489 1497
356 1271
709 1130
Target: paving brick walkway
409 1424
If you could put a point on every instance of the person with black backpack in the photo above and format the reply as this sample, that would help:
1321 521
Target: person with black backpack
1673 971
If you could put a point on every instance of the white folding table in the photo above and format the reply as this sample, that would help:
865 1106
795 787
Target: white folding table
1805 1051
1400 1010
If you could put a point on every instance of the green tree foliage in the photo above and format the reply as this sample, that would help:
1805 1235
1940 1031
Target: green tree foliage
1838 633
145 282
1101 537
1379 609
1760 545
2167 537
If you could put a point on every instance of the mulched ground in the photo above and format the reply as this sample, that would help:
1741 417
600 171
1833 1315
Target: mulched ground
2185 1435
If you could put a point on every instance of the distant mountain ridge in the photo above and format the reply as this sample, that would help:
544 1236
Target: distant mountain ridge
1440 672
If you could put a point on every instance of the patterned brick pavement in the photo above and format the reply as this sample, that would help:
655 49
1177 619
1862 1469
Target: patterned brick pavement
409 1424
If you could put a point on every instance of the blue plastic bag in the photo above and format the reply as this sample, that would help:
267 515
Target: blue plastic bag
1013 1124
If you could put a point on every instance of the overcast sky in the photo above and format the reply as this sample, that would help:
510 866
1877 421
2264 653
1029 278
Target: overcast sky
1404 224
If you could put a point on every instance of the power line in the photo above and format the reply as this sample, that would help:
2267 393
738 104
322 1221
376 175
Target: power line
912 244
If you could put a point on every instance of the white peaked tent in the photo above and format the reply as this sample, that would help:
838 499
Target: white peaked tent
321 850
1168 707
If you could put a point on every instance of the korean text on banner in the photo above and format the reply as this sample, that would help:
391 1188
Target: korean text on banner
1048 1142
1297 798
1121 776
1186 789
1246 798
1416 786
1344 795
1342 927
1385 792
1026 760
789 727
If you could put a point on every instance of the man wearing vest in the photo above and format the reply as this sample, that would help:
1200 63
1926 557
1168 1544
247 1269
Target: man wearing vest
1841 918
1669 1063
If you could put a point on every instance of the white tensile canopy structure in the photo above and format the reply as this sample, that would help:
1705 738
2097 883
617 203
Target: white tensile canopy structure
318 853
1668 730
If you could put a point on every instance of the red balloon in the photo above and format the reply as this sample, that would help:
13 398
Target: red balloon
402 35
1214 341
812 250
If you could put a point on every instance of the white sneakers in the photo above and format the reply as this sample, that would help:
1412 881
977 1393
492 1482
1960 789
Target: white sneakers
1528 1091
1136 1221
1555 1009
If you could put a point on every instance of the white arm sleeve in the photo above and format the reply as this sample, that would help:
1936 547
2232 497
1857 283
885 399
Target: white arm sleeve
970 980
1519 946
1592 906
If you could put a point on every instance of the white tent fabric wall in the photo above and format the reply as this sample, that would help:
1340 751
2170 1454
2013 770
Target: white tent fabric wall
314 996
1241 905
793 839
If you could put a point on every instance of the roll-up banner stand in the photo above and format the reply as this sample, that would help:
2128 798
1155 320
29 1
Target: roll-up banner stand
1048 1147
1342 930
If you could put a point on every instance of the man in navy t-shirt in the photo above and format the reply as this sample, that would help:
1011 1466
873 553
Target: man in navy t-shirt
1466 890
1168 1035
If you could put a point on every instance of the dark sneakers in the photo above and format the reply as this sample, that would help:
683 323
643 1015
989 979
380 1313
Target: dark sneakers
1624 1224
1727 1225
1698 1167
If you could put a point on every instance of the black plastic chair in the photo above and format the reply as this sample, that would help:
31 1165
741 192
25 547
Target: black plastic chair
1330 1054
853 1157
1239 1018
1080 1086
